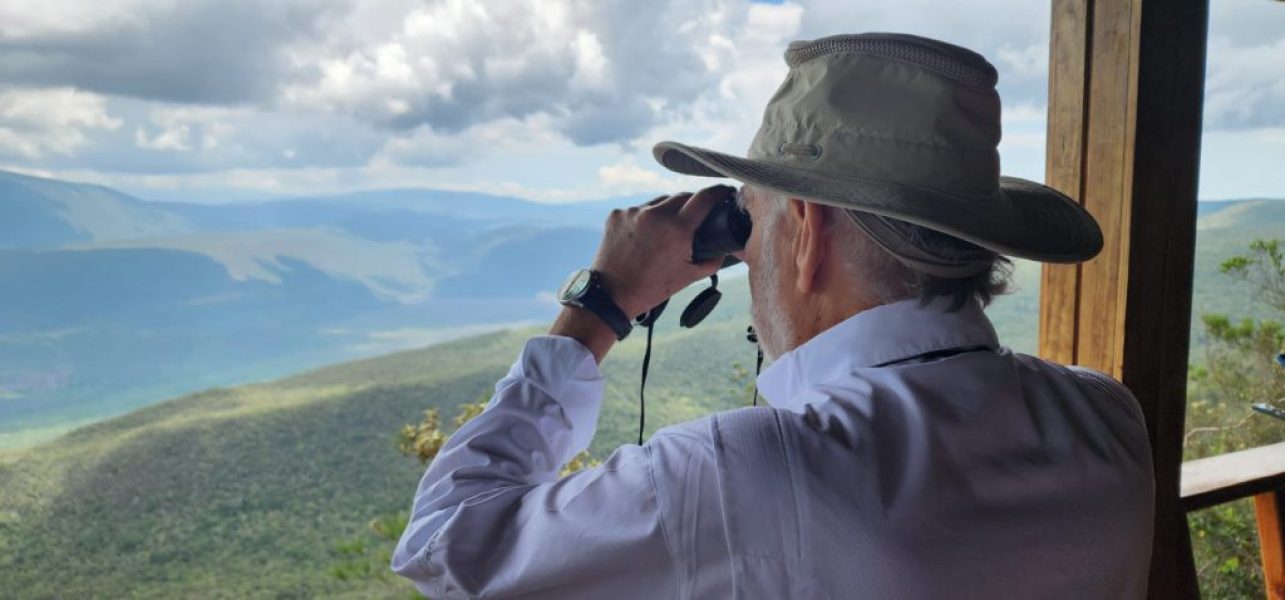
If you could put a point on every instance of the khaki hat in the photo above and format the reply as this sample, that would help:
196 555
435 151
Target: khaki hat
899 127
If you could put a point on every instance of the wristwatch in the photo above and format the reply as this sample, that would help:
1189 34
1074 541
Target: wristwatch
583 289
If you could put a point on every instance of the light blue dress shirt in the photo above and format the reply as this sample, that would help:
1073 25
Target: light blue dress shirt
906 454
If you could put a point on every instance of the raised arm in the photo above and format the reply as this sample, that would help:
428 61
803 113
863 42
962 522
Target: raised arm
491 517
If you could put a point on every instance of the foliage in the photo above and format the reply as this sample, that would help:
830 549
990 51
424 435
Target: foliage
233 493
1238 370
366 557
742 380
1264 269
579 462
242 492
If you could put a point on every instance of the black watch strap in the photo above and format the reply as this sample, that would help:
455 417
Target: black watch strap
597 301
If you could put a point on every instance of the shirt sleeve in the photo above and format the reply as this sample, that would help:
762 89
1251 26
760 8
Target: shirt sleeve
491 517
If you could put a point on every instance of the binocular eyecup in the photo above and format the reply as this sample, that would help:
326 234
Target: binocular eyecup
724 231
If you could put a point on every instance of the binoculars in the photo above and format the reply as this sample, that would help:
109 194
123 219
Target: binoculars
723 231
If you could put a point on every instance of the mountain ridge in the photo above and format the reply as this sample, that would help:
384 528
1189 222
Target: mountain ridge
252 491
102 322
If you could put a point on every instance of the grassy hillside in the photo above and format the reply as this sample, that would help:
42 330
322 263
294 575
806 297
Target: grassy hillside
38 212
1223 234
244 492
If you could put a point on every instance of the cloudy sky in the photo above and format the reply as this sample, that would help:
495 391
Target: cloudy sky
556 100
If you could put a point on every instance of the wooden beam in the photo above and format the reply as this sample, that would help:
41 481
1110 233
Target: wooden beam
1139 147
1156 311
1227 477
1270 508
1068 71
1107 154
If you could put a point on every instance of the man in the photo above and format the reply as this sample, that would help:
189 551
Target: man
906 454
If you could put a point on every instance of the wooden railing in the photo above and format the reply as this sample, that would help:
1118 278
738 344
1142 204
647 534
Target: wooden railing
1258 473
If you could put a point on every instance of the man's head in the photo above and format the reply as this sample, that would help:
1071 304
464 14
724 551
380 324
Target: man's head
811 266
892 140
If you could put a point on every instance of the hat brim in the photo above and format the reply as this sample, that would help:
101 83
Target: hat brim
1023 218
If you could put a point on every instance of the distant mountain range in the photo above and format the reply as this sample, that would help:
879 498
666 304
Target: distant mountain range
111 302
259 490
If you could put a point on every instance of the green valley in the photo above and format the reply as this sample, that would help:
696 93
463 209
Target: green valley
246 491
243 492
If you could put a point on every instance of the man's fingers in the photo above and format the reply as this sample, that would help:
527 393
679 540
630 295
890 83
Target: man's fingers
673 203
656 200
710 266
695 209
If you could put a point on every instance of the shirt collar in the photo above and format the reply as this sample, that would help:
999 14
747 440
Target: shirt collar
874 337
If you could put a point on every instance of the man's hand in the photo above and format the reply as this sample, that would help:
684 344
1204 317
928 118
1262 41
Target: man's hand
645 257
646 252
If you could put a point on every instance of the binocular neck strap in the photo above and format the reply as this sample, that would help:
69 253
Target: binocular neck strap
642 385
695 312
758 369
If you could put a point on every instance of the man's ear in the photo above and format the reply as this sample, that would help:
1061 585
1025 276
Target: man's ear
811 242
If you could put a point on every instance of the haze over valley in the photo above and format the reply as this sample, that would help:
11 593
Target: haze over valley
112 302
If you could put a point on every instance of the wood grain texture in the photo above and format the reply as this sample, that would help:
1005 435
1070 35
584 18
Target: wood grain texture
1172 37
1106 191
1218 479
1270 508
1142 85
1064 159
1257 472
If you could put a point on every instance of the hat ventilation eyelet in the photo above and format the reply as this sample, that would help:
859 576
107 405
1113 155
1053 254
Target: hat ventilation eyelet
806 151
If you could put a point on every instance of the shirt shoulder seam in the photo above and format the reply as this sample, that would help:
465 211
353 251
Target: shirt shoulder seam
1121 395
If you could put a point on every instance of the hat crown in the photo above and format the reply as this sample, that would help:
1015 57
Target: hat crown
899 127
888 107
949 60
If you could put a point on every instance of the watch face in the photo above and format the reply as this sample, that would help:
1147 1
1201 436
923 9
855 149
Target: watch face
575 286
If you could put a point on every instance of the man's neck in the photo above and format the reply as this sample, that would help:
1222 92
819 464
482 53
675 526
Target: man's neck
826 311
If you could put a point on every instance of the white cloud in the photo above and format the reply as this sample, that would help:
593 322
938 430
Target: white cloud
555 100
1028 61
593 70
1024 113
1245 83
240 183
21 19
627 176
424 147
768 23
34 123
1273 135
171 137
1242 163
597 70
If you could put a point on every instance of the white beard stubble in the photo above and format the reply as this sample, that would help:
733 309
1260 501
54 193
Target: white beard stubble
770 322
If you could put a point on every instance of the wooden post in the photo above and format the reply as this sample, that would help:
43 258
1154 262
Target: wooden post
1064 168
1126 83
1270 508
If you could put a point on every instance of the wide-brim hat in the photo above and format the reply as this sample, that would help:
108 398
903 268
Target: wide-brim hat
901 127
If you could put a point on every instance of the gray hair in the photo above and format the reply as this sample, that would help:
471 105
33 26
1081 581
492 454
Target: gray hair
887 279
